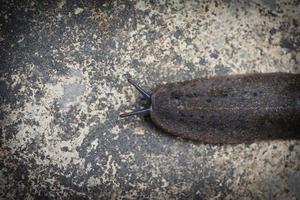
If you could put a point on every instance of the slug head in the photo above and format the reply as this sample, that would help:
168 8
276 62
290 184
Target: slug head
146 95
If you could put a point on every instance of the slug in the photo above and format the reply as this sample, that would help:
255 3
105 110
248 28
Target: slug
227 109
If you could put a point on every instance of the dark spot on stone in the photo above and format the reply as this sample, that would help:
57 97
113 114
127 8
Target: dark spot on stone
83 117
38 95
202 61
178 33
273 31
208 100
111 44
81 124
206 8
4 92
58 67
1 115
21 172
285 43
153 1
57 115
65 148
254 94
135 63
188 40
221 70
295 23
151 36
214 55
291 147
216 4
182 115
190 66
274 147
178 59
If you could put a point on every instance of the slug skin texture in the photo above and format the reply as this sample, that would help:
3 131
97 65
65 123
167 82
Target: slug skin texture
230 109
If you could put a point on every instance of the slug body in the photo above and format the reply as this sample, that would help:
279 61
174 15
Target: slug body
230 109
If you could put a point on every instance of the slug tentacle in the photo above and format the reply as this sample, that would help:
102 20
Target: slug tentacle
141 90
146 95
144 111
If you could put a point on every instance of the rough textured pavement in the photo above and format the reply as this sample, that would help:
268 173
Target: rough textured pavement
63 83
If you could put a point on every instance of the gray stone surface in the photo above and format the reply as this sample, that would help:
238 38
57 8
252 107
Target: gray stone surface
63 83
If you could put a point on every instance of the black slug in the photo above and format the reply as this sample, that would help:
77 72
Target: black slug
228 109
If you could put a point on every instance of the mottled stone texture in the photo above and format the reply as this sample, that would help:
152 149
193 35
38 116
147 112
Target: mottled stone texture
63 82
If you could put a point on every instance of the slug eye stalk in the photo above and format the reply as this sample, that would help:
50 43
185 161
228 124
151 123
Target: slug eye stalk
146 95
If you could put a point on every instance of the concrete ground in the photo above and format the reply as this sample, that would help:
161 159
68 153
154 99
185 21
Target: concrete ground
63 83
